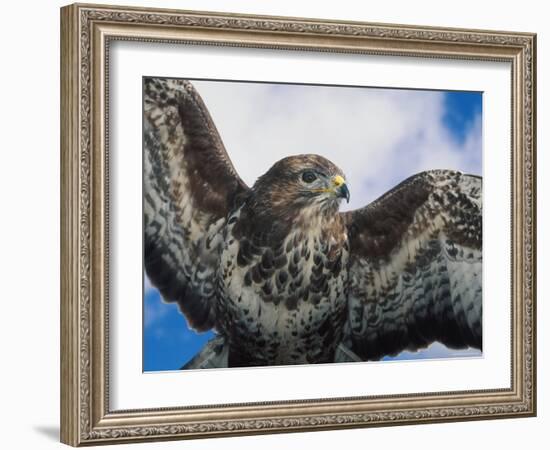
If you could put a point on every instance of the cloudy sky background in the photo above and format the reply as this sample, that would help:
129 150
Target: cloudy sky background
377 136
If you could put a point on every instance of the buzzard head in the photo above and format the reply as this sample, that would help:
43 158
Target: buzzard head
305 182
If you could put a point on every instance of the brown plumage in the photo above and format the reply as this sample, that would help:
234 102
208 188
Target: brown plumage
278 272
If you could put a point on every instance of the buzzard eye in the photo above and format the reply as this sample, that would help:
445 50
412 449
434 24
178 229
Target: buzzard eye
309 176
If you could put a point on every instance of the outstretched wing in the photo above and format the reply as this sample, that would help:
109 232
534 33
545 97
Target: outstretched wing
190 186
415 266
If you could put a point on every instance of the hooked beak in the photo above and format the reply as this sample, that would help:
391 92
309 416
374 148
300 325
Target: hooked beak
340 187
343 192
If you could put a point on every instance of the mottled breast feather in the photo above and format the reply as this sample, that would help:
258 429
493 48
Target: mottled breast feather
282 289
415 266
190 186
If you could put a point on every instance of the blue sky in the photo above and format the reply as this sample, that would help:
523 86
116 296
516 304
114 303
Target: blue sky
168 343
461 110
377 136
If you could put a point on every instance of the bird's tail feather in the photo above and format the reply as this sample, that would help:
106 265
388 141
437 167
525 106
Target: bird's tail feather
214 355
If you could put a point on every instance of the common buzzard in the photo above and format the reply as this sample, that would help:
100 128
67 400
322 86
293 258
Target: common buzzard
279 273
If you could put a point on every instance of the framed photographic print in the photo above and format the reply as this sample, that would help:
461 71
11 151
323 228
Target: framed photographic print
275 224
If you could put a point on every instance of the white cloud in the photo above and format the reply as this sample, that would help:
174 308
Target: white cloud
154 307
153 311
147 286
377 136
435 350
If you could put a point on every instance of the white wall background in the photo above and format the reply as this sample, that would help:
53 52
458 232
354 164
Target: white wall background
29 223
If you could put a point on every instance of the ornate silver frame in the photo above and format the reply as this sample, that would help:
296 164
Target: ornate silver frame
86 31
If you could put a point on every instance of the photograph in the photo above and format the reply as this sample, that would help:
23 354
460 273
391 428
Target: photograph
290 224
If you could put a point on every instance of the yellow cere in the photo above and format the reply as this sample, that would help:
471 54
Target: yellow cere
338 181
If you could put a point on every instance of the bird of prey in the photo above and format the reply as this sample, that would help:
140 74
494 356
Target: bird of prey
281 275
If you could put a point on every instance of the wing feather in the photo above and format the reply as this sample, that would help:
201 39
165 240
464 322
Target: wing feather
190 186
415 266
